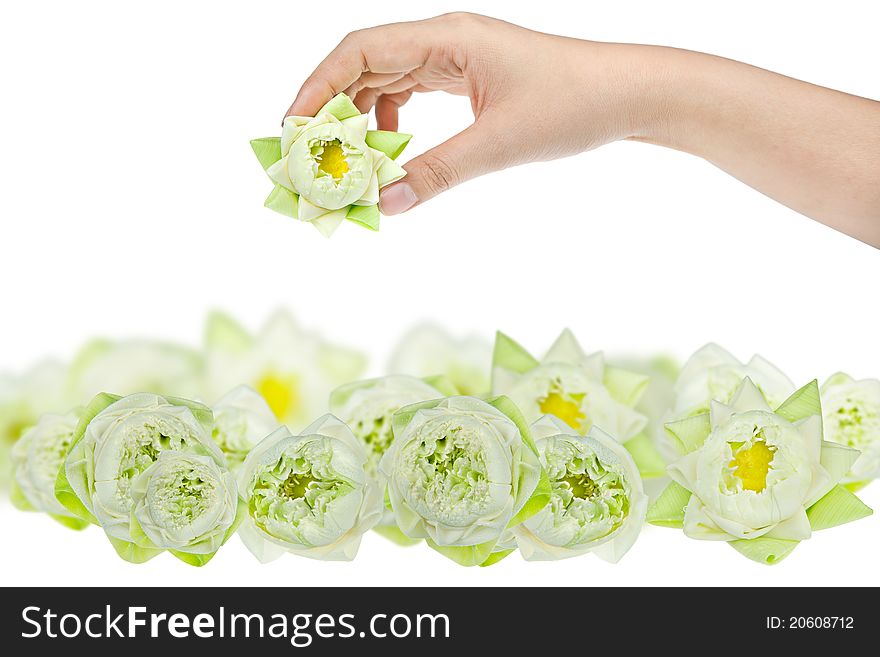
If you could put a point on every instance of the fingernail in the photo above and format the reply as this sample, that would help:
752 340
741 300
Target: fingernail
397 198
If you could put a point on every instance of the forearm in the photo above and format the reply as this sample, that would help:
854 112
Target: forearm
813 149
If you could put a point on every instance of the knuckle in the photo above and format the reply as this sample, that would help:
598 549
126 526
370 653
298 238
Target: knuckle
438 173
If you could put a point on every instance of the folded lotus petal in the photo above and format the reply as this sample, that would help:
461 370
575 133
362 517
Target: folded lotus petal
328 223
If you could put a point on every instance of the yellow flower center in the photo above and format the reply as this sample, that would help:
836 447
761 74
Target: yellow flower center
332 160
280 393
752 465
565 409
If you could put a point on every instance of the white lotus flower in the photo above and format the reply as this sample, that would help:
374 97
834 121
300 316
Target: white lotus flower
713 374
118 440
429 350
242 418
36 458
330 167
760 479
308 494
578 389
23 399
597 502
461 472
184 503
851 410
294 370
130 366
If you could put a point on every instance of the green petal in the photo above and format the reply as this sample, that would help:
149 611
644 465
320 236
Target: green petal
202 414
646 456
283 201
131 552
64 492
802 404
469 555
539 498
365 215
394 535
668 509
768 551
689 433
197 560
267 150
340 106
856 486
403 416
505 405
625 387
224 333
510 355
495 557
838 507
390 143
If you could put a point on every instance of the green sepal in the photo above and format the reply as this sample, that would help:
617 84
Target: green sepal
689 434
202 413
648 459
442 383
838 507
856 486
18 499
364 215
77 524
668 509
393 534
339 106
540 496
468 555
511 355
131 552
497 556
64 492
197 560
390 143
767 551
283 201
267 150
802 404
222 332
625 386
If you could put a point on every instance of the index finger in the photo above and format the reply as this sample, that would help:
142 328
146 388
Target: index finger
393 48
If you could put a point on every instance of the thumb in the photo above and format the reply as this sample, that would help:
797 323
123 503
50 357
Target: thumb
471 153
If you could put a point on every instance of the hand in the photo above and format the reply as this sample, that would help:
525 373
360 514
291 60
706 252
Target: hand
537 96
534 96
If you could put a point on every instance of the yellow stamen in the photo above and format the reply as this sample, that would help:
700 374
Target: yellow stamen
752 465
567 411
332 160
280 393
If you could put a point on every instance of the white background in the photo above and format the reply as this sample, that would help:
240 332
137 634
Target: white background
131 204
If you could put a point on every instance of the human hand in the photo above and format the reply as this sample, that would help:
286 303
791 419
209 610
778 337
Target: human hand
534 96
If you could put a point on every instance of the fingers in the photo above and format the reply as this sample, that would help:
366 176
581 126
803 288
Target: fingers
386 50
473 152
387 108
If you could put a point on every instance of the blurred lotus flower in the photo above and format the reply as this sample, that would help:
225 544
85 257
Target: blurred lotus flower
429 350
242 418
760 479
308 494
330 167
713 374
293 370
461 472
36 458
23 399
115 476
597 503
851 410
130 366
579 389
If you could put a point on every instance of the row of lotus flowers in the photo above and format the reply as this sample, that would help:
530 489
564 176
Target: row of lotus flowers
547 457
